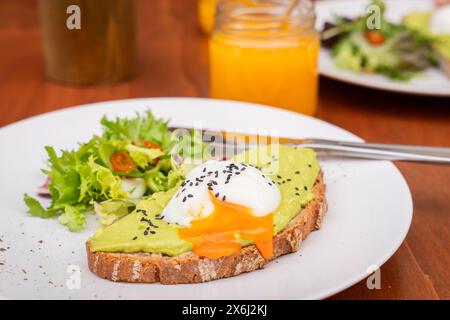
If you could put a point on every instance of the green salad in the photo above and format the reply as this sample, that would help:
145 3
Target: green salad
390 49
109 174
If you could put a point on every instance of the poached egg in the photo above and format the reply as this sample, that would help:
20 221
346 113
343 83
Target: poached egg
221 202
440 20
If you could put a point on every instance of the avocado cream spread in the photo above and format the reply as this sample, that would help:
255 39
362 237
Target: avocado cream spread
294 170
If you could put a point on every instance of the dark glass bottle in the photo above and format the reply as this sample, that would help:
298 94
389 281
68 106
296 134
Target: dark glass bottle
88 41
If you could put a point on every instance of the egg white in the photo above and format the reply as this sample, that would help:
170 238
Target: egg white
228 181
440 20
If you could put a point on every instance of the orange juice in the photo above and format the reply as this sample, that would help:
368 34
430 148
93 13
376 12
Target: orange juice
206 12
271 63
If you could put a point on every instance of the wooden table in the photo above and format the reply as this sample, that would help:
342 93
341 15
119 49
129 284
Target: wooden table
173 62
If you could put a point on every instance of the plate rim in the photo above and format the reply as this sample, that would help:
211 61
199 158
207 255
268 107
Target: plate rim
180 98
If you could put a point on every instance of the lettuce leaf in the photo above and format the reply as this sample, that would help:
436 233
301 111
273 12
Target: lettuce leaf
111 210
36 209
143 156
72 218
141 127
64 177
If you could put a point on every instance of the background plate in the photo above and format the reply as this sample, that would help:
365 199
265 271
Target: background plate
370 210
431 82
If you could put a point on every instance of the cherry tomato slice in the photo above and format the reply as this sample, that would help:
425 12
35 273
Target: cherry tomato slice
374 37
149 144
122 162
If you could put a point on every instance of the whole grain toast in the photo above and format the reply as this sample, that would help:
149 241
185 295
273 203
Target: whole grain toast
190 268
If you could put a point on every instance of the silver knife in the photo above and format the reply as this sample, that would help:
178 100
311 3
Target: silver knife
238 142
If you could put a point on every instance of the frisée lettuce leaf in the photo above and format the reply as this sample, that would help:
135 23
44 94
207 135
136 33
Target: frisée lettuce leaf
143 156
36 209
73 218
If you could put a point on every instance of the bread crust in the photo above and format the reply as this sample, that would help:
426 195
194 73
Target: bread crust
190 268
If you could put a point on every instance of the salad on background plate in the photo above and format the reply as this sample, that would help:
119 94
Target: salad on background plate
397 50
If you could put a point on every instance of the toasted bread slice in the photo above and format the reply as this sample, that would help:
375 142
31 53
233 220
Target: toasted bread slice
190 268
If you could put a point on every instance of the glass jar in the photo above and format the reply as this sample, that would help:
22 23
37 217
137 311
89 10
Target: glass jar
258 53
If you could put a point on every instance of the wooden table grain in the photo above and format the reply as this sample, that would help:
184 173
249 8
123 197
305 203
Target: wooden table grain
172 60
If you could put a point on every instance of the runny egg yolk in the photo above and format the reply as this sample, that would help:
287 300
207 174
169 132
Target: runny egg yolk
216 235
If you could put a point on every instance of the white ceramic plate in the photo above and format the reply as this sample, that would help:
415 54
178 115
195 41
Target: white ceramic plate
370 210
431 82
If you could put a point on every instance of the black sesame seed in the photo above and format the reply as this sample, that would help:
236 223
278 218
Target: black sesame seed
189 195
296 188
184 199
279 177
204 169
223 198
152 232
306 188
216 195
288 180
145 232
297 172
309 165
134 238
297 194
152 225
191 184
